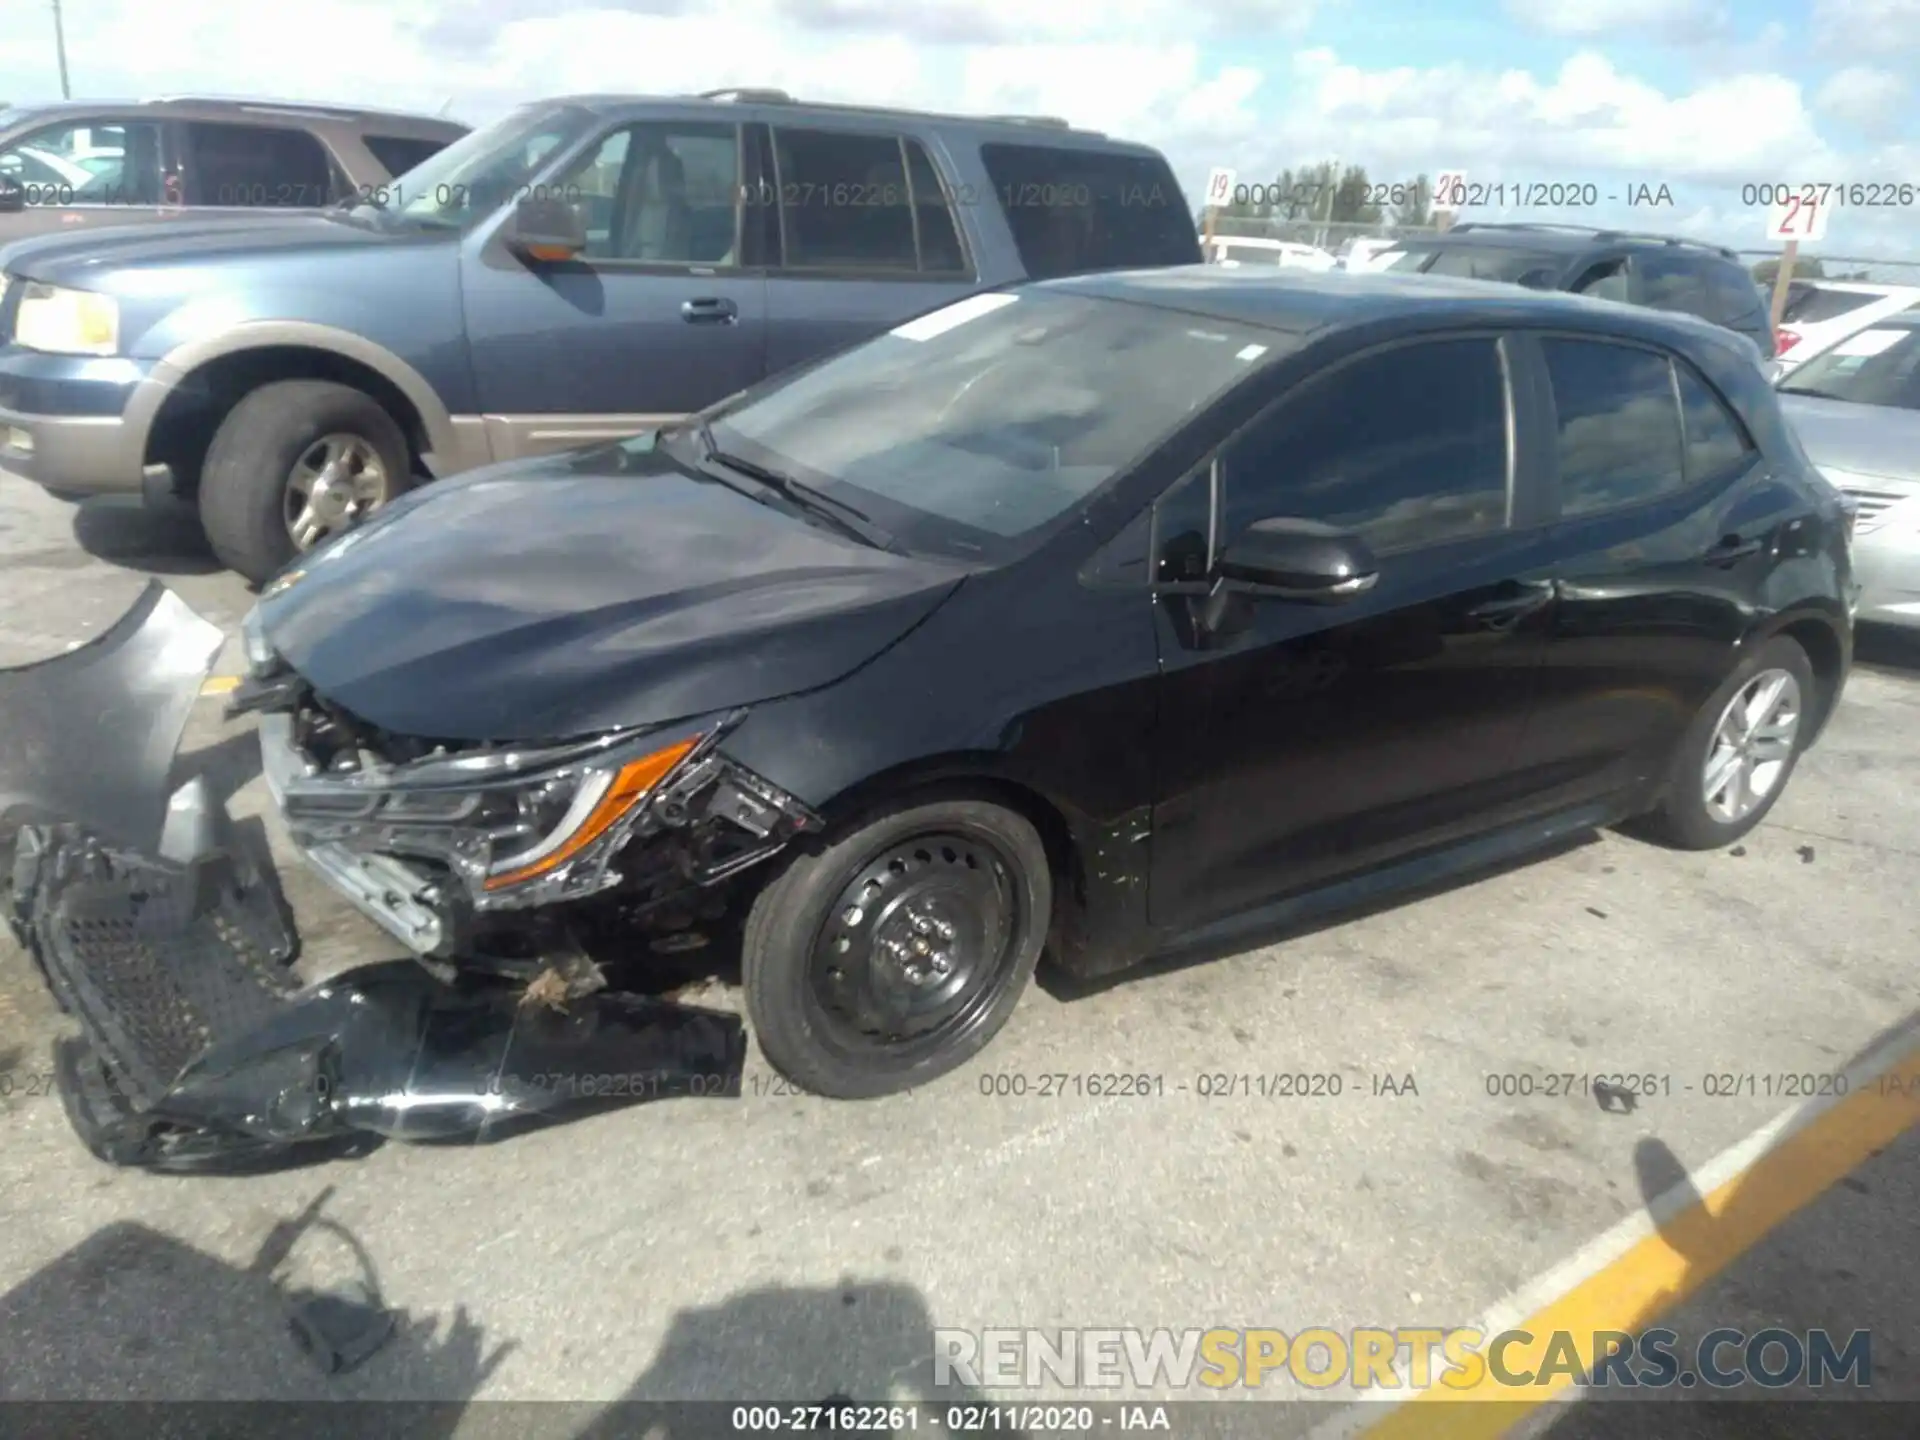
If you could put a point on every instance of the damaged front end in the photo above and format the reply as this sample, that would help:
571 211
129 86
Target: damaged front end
460 850
161 929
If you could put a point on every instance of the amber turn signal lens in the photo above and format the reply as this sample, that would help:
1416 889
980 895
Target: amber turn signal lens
629 787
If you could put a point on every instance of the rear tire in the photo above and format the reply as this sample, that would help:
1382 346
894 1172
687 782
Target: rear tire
1775 693
245 482
892 955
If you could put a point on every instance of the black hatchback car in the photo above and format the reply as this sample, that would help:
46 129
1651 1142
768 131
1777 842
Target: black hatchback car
1663 272
1101 615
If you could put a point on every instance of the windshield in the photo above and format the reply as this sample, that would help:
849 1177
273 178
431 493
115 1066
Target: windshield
1473 262
968 430
484 169
1880 366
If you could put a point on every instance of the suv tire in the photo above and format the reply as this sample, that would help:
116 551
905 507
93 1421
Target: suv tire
249 467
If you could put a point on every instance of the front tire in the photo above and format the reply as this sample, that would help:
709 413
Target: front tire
294 463
1734 762
892 955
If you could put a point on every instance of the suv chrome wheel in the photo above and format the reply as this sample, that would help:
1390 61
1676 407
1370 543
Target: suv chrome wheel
336 483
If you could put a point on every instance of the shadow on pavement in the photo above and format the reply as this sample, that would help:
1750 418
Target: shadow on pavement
1846 1261
122 531
135 1333
1887 647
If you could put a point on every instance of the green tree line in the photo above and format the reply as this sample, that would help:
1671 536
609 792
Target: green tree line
1316 192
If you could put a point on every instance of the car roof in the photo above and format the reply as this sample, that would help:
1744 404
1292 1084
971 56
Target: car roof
1852 287
1312 302
1560 239
210 106
767 103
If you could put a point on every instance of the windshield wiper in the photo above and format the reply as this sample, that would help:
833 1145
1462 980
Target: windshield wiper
1808 390
852 521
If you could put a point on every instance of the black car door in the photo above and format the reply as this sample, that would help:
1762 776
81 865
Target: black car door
1300 741
1667 524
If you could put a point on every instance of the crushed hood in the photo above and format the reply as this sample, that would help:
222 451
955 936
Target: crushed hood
559 597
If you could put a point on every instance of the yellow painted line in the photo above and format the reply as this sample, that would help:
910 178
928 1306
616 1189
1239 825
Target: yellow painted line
220 685
1756 1186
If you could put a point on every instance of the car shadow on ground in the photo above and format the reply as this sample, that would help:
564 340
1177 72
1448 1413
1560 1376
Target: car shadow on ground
163 1338
122 531
1887 647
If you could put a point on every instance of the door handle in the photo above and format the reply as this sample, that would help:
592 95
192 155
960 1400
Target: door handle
709 310
1731 550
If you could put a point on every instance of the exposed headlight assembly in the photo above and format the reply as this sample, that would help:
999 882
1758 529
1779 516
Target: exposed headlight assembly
537 826
518 826
60 321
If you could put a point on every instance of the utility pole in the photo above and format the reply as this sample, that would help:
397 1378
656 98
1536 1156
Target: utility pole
1333 183
60 44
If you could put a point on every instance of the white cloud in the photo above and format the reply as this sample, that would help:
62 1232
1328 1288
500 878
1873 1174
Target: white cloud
1679 20
1145 69
1866 27
1865 97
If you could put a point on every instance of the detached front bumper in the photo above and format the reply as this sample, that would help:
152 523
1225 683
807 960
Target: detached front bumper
163 933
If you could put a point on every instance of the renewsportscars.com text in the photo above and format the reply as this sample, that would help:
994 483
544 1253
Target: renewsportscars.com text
1402 1358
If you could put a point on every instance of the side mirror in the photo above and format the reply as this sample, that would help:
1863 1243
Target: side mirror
546 229
1300 560
13 196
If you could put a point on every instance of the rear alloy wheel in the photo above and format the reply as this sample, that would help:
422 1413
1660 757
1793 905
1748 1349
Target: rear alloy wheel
1740 750
895 954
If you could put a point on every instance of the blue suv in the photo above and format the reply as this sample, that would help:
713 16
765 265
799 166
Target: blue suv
583 269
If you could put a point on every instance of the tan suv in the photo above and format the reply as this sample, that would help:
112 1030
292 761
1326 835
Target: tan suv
99 163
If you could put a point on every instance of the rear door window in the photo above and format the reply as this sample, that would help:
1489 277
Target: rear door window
1073 211
862 202
1619 439
255 165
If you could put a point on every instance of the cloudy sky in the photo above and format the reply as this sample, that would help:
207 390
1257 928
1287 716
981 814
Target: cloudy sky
1700 96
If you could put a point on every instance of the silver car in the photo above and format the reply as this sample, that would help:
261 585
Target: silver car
1856 408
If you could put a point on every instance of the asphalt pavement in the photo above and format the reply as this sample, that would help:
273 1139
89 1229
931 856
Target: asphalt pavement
783 1247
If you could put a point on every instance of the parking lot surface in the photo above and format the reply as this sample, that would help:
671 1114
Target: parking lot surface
782 1246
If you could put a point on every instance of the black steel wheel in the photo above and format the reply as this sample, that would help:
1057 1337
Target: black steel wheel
894 954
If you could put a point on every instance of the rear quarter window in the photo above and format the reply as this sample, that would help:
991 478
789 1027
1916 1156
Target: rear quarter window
1073 211
398 154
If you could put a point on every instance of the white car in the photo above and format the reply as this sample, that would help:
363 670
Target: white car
1361 252
1233 250
35 168
1821 313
